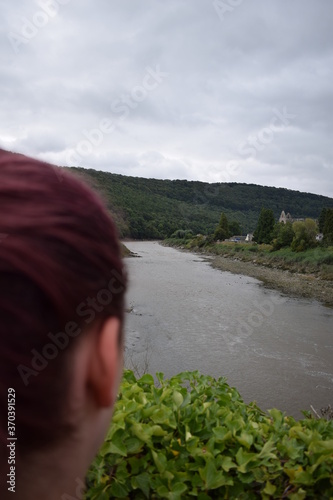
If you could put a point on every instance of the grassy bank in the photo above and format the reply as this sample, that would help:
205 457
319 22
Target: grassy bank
315 261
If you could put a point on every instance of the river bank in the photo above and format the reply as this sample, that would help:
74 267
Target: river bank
292 278
295 284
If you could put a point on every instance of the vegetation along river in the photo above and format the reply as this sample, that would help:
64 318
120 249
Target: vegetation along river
184 315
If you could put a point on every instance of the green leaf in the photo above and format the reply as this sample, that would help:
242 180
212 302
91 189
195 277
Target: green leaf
118 447
160 461
137 464
163 491
118 490
245 439
227 463
213 478
156 430
187 399
115 446
142 432
164 415
178 488
177 398
147 379
277 415
266 451
142 481
269 488
244 458
222 434
133 445
321 447
300 495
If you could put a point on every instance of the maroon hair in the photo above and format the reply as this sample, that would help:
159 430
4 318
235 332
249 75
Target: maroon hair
60 271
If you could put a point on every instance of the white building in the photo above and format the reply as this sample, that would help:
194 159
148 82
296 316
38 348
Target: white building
285 218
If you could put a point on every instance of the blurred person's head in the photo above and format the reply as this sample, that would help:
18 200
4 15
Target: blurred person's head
62 285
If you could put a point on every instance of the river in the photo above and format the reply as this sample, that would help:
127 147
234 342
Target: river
185 315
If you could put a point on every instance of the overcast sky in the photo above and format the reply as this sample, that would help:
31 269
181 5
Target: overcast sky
224 90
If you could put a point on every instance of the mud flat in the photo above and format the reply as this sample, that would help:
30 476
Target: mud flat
296 284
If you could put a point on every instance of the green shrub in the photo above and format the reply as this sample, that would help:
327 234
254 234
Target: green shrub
210 239
305 235
180 234
327 259
284 235
188 234
193 437
264 247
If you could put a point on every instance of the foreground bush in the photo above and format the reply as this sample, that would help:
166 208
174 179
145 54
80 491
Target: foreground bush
194 437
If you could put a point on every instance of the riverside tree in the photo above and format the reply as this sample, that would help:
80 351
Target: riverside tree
265 226
283 235
321 220
305 235
222 231
328 227
235 228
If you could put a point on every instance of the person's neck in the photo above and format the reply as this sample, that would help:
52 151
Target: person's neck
52 475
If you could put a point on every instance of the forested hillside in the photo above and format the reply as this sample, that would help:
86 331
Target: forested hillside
154 208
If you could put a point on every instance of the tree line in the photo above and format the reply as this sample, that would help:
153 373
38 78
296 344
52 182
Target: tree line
299 235
155 208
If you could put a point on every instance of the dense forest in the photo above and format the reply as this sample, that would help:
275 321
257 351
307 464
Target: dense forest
154 208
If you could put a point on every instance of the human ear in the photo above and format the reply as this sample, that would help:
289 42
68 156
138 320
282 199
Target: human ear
106 363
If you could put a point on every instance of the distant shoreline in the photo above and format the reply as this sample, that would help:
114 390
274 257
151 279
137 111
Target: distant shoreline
295 284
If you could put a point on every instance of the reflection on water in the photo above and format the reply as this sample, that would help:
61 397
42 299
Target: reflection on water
186 315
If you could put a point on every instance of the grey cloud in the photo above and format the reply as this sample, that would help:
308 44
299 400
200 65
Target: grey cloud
225 78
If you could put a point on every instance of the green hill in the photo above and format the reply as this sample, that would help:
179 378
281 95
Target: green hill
154 208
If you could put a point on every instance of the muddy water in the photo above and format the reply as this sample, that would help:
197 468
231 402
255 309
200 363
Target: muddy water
185 315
